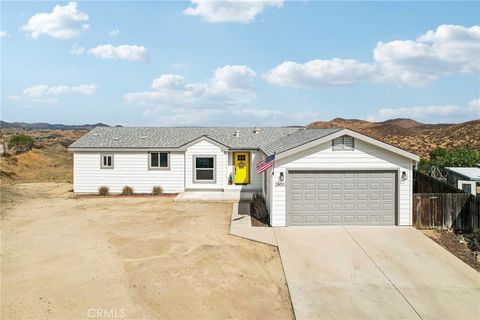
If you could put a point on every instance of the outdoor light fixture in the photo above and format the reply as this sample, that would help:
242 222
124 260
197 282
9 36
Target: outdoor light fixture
404 175
281 177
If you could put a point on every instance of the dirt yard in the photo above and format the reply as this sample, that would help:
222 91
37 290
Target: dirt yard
139 257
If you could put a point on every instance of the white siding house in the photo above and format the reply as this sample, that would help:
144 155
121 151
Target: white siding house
364 157
319 177
129 168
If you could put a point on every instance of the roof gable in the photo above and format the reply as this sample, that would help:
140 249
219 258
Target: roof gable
307 144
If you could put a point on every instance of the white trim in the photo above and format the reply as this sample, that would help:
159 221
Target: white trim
202 138
353 134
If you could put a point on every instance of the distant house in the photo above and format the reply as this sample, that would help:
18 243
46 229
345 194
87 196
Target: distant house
320 176
467 179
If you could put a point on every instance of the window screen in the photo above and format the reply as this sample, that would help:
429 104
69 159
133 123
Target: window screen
204 169
159 160
106 161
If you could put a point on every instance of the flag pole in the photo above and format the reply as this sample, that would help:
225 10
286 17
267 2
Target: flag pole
273 166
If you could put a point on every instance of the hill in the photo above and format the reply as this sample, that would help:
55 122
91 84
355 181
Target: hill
411 135
43 125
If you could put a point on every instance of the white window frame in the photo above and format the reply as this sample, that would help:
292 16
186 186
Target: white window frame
473 186
102 156
150 167
342 146
214 169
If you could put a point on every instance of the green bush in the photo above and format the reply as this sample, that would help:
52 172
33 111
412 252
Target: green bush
103 191
259 209
21 140
157 190
441 158
127 191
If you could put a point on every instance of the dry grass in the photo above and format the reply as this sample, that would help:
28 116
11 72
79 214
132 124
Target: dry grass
150 256
413 136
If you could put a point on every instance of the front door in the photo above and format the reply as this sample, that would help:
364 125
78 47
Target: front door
242 169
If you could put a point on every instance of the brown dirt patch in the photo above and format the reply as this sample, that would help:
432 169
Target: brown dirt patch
148 256
448 240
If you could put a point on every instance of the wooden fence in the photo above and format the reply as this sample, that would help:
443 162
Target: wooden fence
437 204
460 211
423 183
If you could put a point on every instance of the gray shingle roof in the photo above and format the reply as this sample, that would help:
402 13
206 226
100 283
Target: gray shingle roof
269 140
296 139
142 137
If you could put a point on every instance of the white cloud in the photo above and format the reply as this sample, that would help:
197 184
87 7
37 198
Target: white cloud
230 10
123 52
474 106
229 86
77 50
449 49
431 114
228 117
63 22
44 93
319 73
3 34
115 32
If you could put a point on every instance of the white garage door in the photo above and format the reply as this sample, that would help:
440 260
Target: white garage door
341 198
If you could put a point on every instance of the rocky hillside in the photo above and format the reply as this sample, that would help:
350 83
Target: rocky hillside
411 135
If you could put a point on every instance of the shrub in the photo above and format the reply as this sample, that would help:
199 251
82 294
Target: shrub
127 191
259 209
157 190
21 140
441 158
103 191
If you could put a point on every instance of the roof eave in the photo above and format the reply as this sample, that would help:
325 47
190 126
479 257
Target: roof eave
352 133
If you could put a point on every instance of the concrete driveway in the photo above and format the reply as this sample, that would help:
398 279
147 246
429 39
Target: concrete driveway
375 272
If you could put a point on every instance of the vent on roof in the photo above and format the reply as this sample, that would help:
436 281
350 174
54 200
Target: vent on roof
236 133
343 143
95 134
256 130
144 137
115 138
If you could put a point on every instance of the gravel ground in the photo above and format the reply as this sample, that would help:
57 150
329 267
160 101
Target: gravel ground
449 241
131 257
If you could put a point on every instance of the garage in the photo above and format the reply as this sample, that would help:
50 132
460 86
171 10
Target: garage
341 198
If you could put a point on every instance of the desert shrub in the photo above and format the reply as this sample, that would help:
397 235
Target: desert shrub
157 190
21 140
103 191
259 209
127 191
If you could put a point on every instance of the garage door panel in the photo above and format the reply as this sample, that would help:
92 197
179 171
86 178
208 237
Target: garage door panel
335 198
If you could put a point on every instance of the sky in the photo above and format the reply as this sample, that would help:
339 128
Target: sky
239 63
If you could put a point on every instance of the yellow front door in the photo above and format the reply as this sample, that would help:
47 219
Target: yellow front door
242 169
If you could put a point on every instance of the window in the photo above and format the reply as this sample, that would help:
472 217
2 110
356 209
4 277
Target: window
467 187
159 160
106 161
241 157
343 143
204 170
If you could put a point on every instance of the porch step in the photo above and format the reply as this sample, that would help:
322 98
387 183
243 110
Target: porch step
213 196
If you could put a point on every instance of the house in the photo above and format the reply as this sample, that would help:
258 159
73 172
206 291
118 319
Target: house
320 177
467 178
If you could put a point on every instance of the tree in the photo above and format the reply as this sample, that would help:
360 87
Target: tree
441 158
21 140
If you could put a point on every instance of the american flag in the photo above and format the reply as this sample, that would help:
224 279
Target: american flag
265 164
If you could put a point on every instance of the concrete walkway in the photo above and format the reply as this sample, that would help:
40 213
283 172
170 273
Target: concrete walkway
241 225
213 196
375 273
